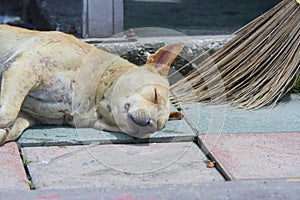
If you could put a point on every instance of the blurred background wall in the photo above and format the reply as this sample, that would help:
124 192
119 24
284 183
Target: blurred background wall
191 17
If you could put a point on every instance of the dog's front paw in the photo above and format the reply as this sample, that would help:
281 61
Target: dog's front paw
3 135
7 117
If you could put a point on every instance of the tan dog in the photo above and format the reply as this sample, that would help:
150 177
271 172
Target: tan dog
54 78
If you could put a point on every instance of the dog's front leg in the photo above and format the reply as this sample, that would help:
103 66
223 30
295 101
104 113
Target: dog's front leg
22 122
100 125
17 81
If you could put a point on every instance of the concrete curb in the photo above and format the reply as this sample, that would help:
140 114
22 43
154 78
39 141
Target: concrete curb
269 189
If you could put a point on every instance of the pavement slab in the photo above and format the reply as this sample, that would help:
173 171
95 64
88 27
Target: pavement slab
12 173
255 155
217 119
175 131
118 166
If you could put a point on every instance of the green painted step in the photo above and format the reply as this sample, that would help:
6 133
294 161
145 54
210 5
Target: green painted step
174 131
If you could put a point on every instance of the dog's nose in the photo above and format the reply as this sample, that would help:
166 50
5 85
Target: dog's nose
151 122
144 122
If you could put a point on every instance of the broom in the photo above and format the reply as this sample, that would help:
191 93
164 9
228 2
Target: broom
254 69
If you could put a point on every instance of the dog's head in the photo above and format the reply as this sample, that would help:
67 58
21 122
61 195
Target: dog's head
140 100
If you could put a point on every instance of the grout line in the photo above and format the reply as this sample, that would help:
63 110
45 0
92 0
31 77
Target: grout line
179 138
219 167
25 166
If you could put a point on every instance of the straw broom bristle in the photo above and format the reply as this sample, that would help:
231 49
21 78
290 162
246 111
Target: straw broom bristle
254 69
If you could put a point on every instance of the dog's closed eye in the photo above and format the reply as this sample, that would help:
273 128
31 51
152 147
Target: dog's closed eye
155 96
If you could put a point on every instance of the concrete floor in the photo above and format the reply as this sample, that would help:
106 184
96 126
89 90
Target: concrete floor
262 165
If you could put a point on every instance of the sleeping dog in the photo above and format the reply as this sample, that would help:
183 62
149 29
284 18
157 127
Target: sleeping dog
56 79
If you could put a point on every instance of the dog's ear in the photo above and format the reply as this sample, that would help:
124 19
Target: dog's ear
163 58
176 115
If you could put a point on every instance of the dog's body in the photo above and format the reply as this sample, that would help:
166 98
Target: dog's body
54 78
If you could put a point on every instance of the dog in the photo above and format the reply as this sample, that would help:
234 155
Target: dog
53 78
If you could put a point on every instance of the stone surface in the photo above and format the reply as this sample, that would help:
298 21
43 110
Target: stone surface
217 119
193 45
118 166
256 155
48 136
12 173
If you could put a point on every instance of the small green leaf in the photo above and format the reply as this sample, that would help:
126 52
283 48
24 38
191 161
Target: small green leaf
296 88
31 184
25 160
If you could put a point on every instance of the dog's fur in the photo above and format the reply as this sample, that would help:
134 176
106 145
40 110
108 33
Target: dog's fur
54 78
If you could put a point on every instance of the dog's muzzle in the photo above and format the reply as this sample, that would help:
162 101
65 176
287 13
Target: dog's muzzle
141 119
147 122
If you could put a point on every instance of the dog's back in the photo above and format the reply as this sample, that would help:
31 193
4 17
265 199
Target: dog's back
12 37
14 40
